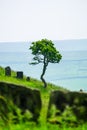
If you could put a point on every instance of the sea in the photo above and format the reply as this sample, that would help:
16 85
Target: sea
69 73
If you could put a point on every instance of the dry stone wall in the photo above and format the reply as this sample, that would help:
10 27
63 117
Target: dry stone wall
75 102
23 97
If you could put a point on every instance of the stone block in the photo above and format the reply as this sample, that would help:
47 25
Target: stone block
20 74
7 71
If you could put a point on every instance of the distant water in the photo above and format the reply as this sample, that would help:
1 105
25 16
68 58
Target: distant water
70 73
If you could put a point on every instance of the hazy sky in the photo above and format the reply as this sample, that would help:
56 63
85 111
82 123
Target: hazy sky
25 20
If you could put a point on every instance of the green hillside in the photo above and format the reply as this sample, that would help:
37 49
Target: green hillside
45 94
33 83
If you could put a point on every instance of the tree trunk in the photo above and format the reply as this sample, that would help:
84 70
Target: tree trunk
43 72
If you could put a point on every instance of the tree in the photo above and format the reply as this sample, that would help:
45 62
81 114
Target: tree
44 52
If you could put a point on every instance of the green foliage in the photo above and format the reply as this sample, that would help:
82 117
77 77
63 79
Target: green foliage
44 52
13 115
67 117
3 109
2 71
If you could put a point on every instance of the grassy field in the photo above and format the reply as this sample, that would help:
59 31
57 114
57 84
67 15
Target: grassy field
42 122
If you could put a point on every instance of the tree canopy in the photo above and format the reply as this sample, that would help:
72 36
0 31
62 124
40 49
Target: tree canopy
44 52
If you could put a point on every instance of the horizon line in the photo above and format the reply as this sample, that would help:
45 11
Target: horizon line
43 38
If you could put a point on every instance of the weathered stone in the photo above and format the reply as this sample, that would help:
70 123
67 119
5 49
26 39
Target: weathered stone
76 101
7 71
23 97
20 74
28 78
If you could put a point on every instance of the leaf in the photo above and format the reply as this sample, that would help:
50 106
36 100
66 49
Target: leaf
33 63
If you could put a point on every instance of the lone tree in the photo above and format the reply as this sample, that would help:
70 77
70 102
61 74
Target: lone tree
44 52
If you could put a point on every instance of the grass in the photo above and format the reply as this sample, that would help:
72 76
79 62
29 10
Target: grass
45 94
32 126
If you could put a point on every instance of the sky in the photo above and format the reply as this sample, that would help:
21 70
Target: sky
27 20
